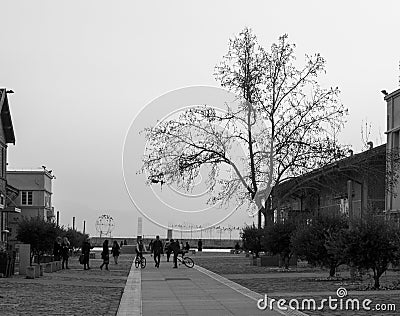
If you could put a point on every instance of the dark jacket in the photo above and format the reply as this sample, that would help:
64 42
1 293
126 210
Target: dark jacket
57 251
157 246
105 254
86 248
175 247
65 250
115 250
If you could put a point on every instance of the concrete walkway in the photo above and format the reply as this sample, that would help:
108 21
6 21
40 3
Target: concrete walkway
184 291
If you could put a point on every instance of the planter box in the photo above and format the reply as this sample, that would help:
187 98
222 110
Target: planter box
57 265
30 272
41 268
269 261
48 267
275 261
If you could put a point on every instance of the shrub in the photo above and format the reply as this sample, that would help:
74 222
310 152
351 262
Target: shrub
373 243
314 242
277 240
39 234
251 237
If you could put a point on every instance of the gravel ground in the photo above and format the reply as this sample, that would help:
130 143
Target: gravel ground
67 292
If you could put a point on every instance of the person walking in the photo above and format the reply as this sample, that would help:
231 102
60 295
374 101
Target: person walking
151 247
175 249
187 247
105 255
157 250
115 250
65 247
200 245
168 249
57 249
86 253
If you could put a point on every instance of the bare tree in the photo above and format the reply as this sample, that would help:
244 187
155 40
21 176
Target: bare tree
285 125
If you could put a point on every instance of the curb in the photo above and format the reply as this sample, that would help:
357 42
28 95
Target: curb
131 299
245 291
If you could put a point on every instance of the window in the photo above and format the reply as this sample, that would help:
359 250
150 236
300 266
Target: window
47 200
395 140
26 197
2 162
344 206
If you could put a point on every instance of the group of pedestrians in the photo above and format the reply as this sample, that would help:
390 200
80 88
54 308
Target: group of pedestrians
171 247
105 254
62 249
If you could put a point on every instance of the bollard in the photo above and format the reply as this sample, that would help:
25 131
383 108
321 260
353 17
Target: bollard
37 271
41 268
48 267
30 272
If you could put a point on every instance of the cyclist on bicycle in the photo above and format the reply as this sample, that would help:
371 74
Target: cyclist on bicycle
139 249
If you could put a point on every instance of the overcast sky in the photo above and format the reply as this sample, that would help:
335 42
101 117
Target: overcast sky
82 70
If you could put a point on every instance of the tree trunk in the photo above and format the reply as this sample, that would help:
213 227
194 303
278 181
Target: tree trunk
260 213
376 282
332 271
268 213
377 274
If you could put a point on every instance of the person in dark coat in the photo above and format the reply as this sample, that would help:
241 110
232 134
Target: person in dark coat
175 249
200 245
65 248
168 249
105 255
187 247
115 251
157 250
57 249
86 253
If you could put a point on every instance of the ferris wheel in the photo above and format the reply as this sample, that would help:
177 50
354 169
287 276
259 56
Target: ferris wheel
105 225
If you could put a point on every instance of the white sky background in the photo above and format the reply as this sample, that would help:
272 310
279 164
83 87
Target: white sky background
81 71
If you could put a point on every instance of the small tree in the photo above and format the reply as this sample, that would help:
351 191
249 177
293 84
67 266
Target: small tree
313 241
251 237
39 233
75 237
373 243
277 240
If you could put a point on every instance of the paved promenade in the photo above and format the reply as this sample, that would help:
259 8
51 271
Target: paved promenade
184 291
125 291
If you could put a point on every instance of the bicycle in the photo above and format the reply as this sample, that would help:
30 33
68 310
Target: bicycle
140 261
187 261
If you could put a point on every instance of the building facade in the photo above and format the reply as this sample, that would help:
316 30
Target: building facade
392 202
352 186
6 192
34 197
